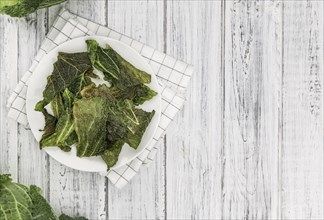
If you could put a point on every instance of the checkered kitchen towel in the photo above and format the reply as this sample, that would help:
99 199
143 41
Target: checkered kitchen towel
173 76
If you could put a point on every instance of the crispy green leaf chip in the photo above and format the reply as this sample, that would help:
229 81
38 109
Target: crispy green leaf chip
63 129
69 69
144 118
138 94
116 69
110 156
50 124
90 117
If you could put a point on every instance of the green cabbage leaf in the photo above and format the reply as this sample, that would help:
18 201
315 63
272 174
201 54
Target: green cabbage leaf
20 202
21 8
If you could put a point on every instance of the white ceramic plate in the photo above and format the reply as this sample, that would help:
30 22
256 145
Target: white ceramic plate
37 85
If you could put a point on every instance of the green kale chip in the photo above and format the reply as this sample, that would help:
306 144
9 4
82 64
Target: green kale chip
138 94
57 105
63 129
118 135
119 72
110 156
68 69
58 130
144 118
81 82
50 124
72 139
90 115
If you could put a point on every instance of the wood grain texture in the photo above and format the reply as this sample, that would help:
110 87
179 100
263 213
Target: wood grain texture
8 80
143 197
252 109
302 139
73 192
194 140
31 33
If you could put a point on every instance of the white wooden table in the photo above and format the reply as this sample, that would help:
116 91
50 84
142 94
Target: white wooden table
248 143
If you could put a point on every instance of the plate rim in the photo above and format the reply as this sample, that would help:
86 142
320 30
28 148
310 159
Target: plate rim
144 61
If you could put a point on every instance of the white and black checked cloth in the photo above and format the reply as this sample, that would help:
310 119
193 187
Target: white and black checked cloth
173 76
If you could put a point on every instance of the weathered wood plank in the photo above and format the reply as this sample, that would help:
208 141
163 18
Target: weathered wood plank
194 140
143 197
302 139
52 14
32 162
8 81
73 192
252 110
